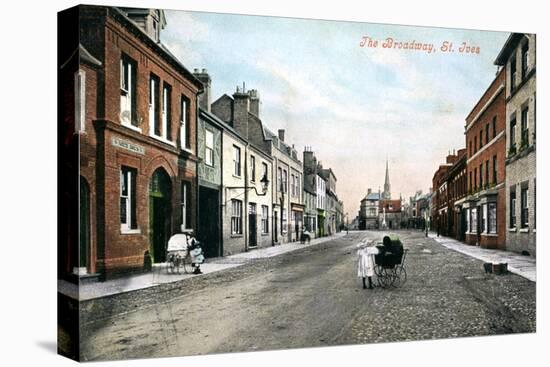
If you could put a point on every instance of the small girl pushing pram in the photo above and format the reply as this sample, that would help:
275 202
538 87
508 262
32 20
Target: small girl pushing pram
365 261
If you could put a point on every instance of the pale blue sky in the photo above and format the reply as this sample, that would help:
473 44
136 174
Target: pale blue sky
354 106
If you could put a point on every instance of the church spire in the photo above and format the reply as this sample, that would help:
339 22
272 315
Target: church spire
387 186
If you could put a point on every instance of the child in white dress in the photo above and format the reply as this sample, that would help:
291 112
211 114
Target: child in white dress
365 262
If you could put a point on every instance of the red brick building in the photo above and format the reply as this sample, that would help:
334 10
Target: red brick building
440 200
486 155
130 108
457 181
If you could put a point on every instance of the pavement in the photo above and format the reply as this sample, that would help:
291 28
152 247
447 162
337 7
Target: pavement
521 265
160 275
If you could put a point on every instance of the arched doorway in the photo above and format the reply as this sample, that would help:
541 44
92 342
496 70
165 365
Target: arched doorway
84 228
160 204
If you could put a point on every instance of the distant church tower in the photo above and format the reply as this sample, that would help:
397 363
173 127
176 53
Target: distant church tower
387 187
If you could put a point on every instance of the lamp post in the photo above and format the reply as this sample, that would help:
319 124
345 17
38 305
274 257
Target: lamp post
264 181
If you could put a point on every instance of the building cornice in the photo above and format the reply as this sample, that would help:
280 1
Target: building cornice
486 146
485 106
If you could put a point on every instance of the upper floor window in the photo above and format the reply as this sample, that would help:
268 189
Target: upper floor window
487 134
513 73
154 125
280 179
264 170
128 115
185 141
236 160
167 111
480 138
80 101
524 59
209 148
494 127
525 126
285 181
252 168
513 131
494 169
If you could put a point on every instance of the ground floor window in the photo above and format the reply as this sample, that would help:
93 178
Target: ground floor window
467 220
128 218
492 214
236 216
473 220
524 207
512 209
265 219
484 218
185 209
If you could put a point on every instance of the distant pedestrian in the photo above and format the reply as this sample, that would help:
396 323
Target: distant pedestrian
365 262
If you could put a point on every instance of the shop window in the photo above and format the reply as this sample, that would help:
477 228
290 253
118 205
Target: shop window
473 220
483 218
492 216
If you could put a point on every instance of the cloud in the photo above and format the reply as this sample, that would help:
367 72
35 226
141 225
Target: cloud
183 36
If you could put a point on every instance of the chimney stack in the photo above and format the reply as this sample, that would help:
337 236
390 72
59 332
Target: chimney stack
254 102
281 135
241 107
205 99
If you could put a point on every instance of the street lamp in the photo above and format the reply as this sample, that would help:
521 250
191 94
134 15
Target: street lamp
265 184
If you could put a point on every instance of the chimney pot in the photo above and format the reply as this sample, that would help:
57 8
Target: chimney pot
281 134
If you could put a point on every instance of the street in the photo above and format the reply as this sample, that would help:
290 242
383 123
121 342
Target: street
309 298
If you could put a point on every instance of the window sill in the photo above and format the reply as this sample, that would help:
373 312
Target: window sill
131 127
489 234
524 230
265 234
512 230
237 236
239 177
130 231
162 139
188 150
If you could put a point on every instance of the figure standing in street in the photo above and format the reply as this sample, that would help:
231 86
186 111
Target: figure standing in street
365 262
